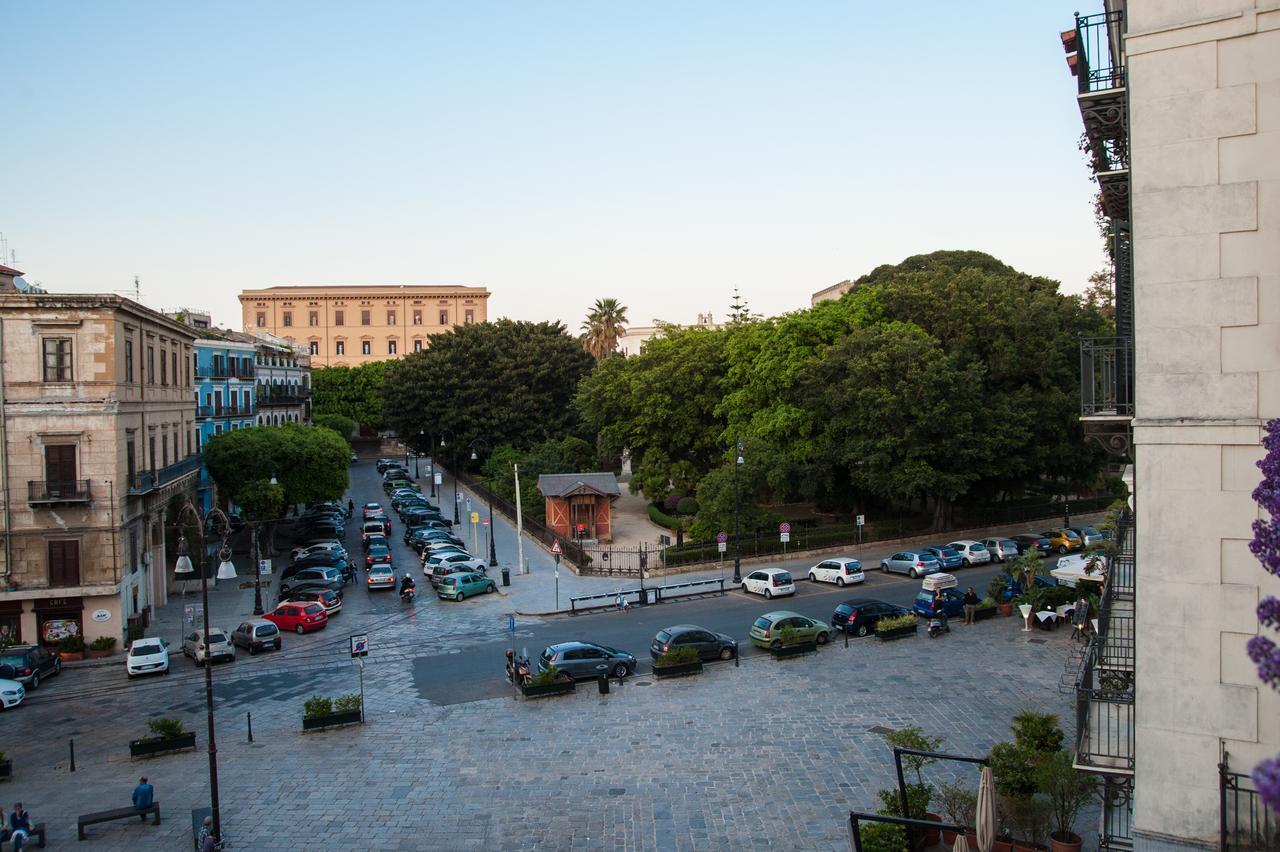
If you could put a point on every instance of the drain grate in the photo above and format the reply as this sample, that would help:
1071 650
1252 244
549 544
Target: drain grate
879 729
643 683
1037 641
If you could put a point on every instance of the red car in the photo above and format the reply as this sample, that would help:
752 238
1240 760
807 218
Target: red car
302 617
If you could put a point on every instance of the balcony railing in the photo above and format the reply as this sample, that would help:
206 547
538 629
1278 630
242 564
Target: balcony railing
226 410
1245 820
178 469
1106 377
210 371
1097 66
141 482
58 491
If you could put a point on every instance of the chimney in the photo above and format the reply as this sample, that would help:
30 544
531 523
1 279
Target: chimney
7 274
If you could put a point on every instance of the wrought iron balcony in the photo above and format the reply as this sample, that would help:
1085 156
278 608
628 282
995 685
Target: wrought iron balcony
1106 377
1093 51
48 491
141 482
178 469
1095 57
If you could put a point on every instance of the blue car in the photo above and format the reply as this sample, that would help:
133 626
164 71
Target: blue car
948 557
952 603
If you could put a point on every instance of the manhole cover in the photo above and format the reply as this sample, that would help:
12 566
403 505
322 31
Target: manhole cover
1037 641
643 683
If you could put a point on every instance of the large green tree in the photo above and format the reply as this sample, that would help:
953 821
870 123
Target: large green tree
604 325
309 463
353 392
564 455
506 382
342 426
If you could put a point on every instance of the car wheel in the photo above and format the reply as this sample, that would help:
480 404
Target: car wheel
726 653
745 590
490 589
253 652
840 582
57 665
967 563
768 593
35 681
915 575
620 671
277 644
863 630
300 630
774 645
1063 550
884 568
822 638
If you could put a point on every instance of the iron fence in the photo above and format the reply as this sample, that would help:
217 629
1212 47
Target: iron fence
1106 377
1246 822
1098 48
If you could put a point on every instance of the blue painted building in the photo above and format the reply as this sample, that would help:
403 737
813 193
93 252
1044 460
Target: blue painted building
226 400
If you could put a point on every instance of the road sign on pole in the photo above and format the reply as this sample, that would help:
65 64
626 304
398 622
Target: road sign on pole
862 519
786 537
360 645
784 527
555 549
722 545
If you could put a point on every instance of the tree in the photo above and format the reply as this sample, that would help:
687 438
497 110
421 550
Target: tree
344 426
353 392
309 463
507 382
566 455
1100 295
604 326
716 501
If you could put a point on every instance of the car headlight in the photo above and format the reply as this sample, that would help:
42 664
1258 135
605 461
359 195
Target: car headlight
10 695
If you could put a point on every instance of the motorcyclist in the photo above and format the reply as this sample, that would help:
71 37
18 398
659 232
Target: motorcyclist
406 584
940 610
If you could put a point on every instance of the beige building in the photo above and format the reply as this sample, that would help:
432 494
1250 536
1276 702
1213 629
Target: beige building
1170 709
97 437
636 336
355 324
835 291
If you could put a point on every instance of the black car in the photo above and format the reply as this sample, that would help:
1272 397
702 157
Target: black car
311 577
312 530
860 616
383 464
424 539
31 664
709 644
1033 542
374 540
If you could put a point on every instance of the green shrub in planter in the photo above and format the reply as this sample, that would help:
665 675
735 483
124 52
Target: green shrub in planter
907 620
317 706
958 803
346 704
662 519
165 728
987 603
545 677
678 657
1067 789
788 636
918 798
103 643
882 837
72 645
998 585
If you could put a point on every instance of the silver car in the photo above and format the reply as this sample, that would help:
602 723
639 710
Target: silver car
218 647
586 659
1001 548
913 563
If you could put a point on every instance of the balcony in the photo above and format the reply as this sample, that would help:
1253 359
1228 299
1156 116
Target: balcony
141 482
207 411
1095 58
145 481
270 397
1106 377
49 492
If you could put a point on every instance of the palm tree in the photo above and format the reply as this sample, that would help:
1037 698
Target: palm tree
603 327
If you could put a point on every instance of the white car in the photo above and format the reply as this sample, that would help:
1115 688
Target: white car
770 582
218 647
972 552
11 694
330 548
457 559
147 656
841 570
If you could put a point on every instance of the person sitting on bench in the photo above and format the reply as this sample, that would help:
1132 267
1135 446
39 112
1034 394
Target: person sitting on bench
19 826
143 795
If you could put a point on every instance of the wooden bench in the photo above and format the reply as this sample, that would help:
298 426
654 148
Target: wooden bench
118 813
35 835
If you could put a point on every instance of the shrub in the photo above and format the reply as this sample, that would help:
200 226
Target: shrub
317 706
918 798
165 728
72 644
894 623
678 657
687 506
987 603
882 837
551 675
672 502
914 737
1013 767
1028 819
346 703
103 643
958 803
662 519
998 587
1037 731
1068 791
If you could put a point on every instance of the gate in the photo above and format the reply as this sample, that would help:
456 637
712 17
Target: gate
605 561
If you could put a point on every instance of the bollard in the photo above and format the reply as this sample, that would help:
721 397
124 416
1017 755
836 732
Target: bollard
603 683
248 719
506 576
736 656
846 638
73 755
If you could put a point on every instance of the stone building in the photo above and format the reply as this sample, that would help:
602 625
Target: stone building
354 324
97 437
283 370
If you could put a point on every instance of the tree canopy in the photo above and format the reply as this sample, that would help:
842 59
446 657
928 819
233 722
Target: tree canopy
310 464
352 392
343 426
604 325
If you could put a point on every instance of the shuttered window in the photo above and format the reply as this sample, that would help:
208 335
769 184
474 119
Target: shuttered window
64 563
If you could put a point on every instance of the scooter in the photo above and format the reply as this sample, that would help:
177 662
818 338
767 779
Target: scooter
938 625
518 668
408 594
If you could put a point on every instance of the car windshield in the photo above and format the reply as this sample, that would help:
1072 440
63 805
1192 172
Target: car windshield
313 609
216 636
138 649
662 637
853 566
267 630
844 609
947 551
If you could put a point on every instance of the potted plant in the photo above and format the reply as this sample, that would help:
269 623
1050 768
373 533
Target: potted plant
71 648
896 627
167 734
1068 791
882 837
918 798
985 609
319 712
103 646
1028 821
997 589
549 682
958 804
790 644
919 794
6 766
677 662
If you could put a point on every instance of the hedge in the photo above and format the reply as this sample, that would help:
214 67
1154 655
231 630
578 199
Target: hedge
662 519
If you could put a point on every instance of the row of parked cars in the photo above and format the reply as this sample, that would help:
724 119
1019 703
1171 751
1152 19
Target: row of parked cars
967 552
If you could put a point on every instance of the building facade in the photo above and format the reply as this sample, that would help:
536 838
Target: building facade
225 394
283 371
1171 711
827 294
356 324
97 439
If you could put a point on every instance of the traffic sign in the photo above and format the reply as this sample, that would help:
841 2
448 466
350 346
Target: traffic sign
264 566
784 527
475 517
862 519
555 548
360 645
723 545
722 537
786 537
485 521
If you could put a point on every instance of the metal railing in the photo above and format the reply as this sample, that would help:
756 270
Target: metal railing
646 595
171 472
141 482
1245 821
58 491
1106 376
226 410
1099 66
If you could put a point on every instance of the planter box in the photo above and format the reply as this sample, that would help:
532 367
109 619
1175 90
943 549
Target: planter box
6 770
678 670
350 717
793 650
983 614
71 655
148 747
542 690
897 633
98 655
1005 609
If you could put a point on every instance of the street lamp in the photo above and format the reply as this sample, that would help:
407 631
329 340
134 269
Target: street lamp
183 566
443 432
257 564
493 553
737 519
417 453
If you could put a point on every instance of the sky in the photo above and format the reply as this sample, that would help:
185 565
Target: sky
661 153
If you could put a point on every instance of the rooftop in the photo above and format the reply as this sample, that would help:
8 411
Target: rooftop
564 484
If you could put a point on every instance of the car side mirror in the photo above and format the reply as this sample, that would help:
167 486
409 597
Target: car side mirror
164 643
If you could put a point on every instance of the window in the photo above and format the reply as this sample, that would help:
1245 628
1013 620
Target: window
337 317
151 365
164 369
131 459
340 348
64 563
364 317
417 317
128 360
314 348
391 317
471 316
444 317
186 371
287 317
262 320
313 318
164 450
217 428
365 348
174 361
57 359
417 346
151 447
60 466
391 347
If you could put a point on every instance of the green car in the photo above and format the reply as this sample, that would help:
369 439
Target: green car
767 630
464 585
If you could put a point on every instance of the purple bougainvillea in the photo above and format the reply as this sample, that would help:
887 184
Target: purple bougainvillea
1266 546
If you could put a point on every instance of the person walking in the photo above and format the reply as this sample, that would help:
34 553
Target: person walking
143 795
19 826
351 509
970 606
207 842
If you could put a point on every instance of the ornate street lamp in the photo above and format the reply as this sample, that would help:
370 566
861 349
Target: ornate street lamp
447 432
493 553
737 519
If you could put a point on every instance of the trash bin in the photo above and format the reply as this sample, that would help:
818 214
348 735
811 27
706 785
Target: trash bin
651 596
506 575
603 683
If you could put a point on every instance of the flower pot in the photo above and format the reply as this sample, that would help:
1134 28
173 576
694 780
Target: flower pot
542 690
971 839
1001 846
931 834
98 655
678 670
159 745
1005 609
896 633
796 650
315 723
948 837
1071 844
71 655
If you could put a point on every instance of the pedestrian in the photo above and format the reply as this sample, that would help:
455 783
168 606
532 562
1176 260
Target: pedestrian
351 508
143 795
970 606
19 826
940 609
207 842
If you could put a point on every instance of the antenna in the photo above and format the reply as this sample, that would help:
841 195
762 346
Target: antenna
137 290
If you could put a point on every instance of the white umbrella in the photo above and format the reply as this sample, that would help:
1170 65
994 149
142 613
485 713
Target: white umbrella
986 817
962 845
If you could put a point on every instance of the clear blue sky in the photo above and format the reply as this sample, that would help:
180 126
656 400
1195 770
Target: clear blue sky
660 152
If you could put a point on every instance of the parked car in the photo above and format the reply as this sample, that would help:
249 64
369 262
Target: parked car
384 463
770 582
766 631
1039 544
373 506
860 616
925 603
299 616
332 548
1088 535
344 566
354 458
948 557
971 552
375 526
841 570
11 693
1015 587
464 584
31 664
381 576
311 578
373 541
587 659
378 553
327 598
392 484
1063 541
217 647
709 644
1001 548
149 655
456 559
257 634
436 573
309 531
913 563
427 539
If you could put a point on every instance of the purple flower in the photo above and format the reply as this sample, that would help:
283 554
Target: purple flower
1266 777
1269 612
1266 547
1266 655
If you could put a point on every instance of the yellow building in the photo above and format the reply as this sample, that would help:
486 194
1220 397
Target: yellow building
353 324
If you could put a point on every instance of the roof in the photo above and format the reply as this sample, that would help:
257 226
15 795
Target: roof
565 484
8 270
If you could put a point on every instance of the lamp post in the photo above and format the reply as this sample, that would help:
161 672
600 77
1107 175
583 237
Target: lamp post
257 565
737 519
493 553
443 445
417 453
226 571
